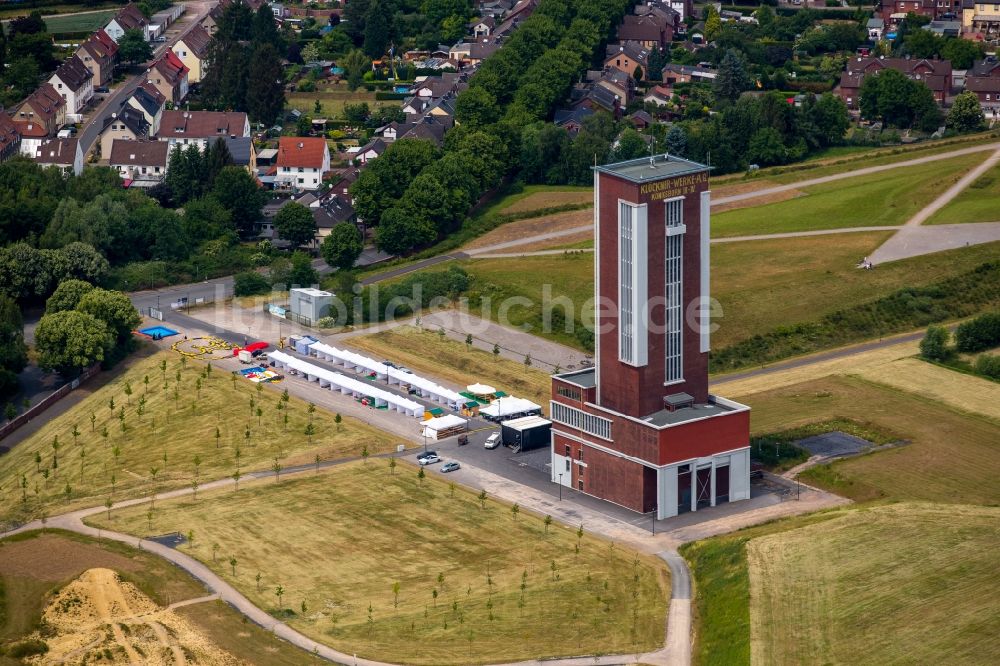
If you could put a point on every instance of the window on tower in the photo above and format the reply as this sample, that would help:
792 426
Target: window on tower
674 288
626 231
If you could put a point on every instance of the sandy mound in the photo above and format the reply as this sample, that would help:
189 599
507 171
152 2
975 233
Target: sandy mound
100 619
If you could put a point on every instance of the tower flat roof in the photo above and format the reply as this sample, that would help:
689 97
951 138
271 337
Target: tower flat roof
582 378
655 168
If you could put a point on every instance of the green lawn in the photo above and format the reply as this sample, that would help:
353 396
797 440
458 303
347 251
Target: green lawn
912 583
950 456
332 102
178 422
61 23
475 585
884 199
975 204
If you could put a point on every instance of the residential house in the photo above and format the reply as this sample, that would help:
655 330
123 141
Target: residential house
944 28
571 120
369 151
483 27
442 108
983 78
329 211
394 130
142 162
416 106
242 151
673 74
651 30
640 119
128 124
935 74
170 76
659 95
74 83
192 49
616 81
876 28
99 55
211 20
10 138
431 128
128 18
150 101
627 56
64 154
302 161
201 127
433 87
597 98
495 9
39 117
981 19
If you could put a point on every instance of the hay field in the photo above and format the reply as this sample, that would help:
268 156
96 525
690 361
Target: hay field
891 584
952 456
427 353
550 198
179 421
460 568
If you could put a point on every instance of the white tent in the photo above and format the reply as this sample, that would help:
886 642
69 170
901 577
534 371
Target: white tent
480 389
345 384
508 407
443 426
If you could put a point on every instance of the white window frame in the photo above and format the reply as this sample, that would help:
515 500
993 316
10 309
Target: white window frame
673 290
598 426
632 283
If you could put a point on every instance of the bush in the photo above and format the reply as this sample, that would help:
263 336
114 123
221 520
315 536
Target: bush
326 322
978 334
988 366
27 648
250 283
934 346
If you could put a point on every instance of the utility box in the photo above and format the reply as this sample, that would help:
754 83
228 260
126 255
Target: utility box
309 305
525 434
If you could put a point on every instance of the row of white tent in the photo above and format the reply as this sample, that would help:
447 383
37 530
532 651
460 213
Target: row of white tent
359 362
509 407
348 385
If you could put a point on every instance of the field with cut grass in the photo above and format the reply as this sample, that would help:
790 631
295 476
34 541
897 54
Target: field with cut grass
427 353
332 101
540 197
882 199
910 583
182 410
535 226
761 285
475 584
78 22
977 203
950 456
34 565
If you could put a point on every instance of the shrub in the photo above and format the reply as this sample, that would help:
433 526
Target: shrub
326 322
250 283
978 334
988 366
934 346
27 648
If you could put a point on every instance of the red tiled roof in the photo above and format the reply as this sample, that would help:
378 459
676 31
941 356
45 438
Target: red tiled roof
31 128
301 151
8 132
171 67
110 45
45 101
202 124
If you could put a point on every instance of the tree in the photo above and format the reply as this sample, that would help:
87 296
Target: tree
232 563
240 194
966 114
732 78
676 140
482 499
113 308
265 86
379 28
766 147
496 351
934 345
310 431
355 64
421 474
279 592
70 341
392 466
302 271
265 29
342 247
400 231
395 594
514 510
830 115
547 522
365 454
276 468
630 146
295 224
476 107
133 47
338 419
13 351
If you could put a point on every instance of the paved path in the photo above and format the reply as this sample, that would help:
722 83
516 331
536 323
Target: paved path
927 211
916 241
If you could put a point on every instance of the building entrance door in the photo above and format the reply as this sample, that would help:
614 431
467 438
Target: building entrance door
704 486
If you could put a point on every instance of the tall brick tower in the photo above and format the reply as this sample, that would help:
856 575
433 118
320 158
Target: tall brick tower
640 428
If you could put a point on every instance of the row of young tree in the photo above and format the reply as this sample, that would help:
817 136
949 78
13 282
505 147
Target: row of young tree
415 194
244 64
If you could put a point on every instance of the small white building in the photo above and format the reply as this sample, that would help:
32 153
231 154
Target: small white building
308 303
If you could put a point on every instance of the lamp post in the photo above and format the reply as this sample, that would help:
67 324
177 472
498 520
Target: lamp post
560 486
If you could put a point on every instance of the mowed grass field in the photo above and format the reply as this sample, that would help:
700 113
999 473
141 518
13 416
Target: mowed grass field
950 456
36 564
540 197
178 422
429 354
883 199
977 203
338 542
78 22
332 102
911 583
761 285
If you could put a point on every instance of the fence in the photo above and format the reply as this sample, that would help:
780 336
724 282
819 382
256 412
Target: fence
47 401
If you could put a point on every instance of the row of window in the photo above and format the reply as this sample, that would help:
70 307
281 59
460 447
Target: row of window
569 392
581 420
626 222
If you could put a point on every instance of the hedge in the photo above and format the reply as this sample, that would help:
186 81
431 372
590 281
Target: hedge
978 334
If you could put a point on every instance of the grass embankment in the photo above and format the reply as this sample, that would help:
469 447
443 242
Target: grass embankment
36 564
304 535
179 422
910 582
427 353
765 288
975 204
883 199
950 456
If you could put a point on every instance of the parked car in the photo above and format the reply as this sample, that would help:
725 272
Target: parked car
101 89
429 460
450 467
493 441
426 454
406 370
